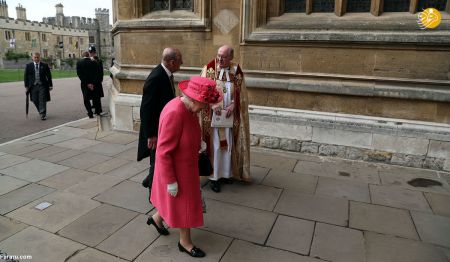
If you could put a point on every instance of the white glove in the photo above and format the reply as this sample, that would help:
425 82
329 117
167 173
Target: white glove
173 189
202 146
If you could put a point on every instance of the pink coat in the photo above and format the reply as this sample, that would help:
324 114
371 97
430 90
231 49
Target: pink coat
178 144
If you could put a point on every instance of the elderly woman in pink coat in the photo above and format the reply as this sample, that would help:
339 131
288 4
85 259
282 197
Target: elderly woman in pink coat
175 193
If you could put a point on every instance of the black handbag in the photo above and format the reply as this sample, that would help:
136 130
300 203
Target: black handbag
204 165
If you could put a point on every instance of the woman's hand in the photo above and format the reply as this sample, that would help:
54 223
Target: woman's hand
172 189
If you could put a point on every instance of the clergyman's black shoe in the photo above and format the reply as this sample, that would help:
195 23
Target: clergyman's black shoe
195 251
215 186
161 230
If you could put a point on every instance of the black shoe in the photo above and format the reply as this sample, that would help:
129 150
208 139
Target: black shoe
43 117
146 182
226 180
163 231
215 186
90 115
195 252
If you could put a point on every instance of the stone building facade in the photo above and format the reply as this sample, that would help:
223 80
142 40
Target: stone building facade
64 39
354 78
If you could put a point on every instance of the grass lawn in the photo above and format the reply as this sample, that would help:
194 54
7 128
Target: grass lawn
13 75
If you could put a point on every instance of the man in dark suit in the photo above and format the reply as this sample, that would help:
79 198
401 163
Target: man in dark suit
38 82
158 90
87 71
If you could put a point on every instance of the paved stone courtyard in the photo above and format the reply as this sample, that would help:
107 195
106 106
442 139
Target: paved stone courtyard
299 208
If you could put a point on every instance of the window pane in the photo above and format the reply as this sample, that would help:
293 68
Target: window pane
437 4
323 6
294 6
183 4
161 5
358 6
396 6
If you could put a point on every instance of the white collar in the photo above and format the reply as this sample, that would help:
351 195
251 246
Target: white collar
167 70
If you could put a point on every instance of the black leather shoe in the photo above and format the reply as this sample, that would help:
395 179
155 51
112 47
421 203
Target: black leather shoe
215 186
90 115
195 252
163 231
43 117
146 182
227 181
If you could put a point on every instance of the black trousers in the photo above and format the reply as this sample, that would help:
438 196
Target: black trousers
39 99
151 170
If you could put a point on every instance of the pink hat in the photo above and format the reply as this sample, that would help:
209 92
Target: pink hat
201 89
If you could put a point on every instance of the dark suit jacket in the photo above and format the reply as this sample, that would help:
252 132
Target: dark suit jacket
87 71
156 94
45 77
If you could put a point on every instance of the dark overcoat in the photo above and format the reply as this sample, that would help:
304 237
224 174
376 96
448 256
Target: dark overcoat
88 73
45 76
157 92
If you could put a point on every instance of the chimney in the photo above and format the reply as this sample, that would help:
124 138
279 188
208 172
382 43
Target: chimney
3 9
21 13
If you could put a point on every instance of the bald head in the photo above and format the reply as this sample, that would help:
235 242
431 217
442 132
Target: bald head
224 56
172 59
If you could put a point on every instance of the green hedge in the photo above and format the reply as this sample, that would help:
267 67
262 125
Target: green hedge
16 56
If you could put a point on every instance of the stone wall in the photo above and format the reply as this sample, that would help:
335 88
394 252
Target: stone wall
391 141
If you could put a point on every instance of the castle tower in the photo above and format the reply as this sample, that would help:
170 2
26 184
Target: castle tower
3 9
21 12
59 15
104 31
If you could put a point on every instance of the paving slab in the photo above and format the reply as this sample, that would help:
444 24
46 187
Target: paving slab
108 165
258 174
128 170
400 177
93 186
130 154
139 177
97 225
351 190
120 138
78 143
394 196
84 160
41 245
278 162
66 208
238 223
53 138
129 195
36 136
33 170
340 244
21 147
381 219
129 241
60 156
90 254
84 124
292 234
440 204
347 170
9 227
108 149
8 184
394 249
165 247
8 160
245 251
22 196
256 196
432 228
324 209
46 152
67 178
69 131
293 181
